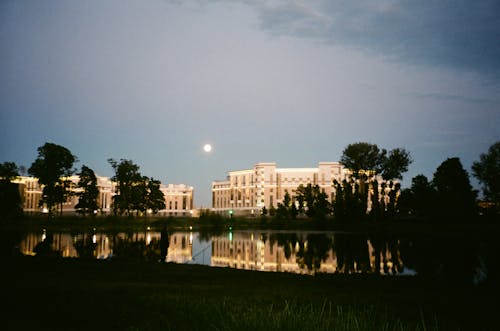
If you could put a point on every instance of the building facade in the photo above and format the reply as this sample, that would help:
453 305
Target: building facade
247 192
178 197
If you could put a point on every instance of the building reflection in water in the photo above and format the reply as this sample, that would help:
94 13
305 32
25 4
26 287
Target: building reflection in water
105 246
463 258
304 253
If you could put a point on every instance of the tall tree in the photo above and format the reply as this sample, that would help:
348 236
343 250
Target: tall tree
487 171
454 195
87 198
128 178
155 197
366 161
10 197
54 162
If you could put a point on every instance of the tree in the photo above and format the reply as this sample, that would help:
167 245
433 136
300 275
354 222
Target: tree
155 197
395 164
8 171
287 208
312 201
487 171
454 195
87 198
140 195
128 179
10 197
350 202
366 161
362 157
54 162
420 199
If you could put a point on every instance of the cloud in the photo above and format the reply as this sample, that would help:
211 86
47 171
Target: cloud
459 34
455 98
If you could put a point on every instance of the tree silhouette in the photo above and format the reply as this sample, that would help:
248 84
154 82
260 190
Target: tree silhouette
155 199
87 198
10 197
283 210
454 195
53 164
395 164
363 157
487 171
312 201
128 178
419 200
366 161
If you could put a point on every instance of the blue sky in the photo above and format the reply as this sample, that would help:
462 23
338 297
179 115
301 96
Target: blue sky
291 82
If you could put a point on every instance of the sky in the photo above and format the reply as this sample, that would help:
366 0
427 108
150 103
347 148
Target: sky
291 82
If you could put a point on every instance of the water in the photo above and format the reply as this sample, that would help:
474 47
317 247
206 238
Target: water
462 258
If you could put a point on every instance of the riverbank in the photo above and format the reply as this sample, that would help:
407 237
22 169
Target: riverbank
222 224
131 295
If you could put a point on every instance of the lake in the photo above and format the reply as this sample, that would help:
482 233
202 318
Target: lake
457 257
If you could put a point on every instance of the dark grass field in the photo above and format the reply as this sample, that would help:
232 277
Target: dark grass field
70 294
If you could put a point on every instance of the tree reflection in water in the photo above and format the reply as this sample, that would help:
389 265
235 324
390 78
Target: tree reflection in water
85 245
313 251
352 253
464 258
386 254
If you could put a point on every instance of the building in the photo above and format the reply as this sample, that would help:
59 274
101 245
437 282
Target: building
178 200
178 197
246 192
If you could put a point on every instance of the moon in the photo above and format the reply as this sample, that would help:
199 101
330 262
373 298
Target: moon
207 148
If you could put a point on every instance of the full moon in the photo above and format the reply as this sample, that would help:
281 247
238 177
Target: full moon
207 148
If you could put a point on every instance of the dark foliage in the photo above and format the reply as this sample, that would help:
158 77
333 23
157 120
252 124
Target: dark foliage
487 171
54 162
87 198
10 193
455 199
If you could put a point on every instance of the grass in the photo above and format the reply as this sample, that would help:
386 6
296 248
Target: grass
70 294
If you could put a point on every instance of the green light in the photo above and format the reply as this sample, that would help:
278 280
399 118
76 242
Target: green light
230 212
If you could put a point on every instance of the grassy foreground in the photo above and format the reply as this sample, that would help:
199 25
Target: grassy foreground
70 294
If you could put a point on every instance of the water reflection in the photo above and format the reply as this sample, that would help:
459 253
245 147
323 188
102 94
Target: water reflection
145 245
459 258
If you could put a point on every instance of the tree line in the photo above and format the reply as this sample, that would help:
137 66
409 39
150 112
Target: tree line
371 191
53 167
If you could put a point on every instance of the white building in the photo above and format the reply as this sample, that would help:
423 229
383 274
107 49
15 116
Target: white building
246 192
178 197
178 200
